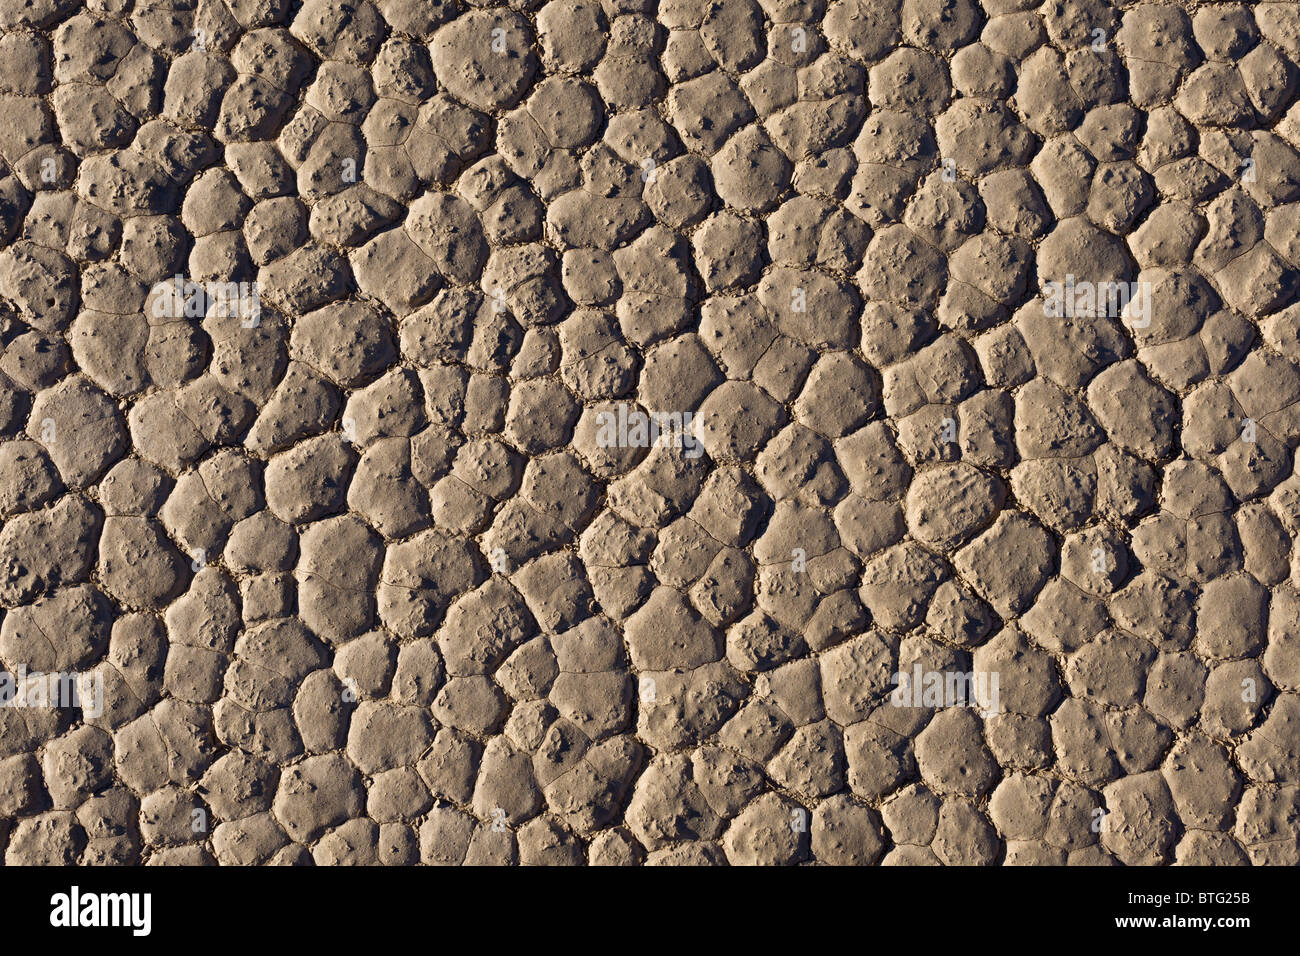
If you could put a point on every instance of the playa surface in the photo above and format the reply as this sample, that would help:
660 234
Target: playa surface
630 432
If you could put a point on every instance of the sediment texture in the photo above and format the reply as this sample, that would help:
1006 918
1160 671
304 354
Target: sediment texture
365 578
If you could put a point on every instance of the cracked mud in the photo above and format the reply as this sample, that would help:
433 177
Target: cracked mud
649 431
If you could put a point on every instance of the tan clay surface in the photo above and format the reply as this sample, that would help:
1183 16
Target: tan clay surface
971 326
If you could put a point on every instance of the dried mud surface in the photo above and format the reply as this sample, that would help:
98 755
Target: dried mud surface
363 581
